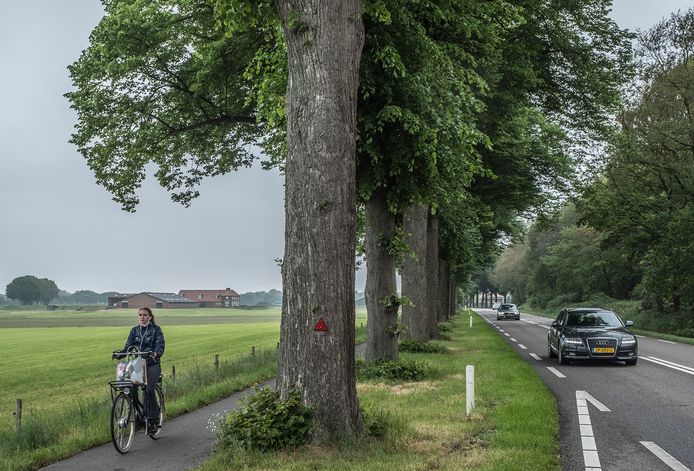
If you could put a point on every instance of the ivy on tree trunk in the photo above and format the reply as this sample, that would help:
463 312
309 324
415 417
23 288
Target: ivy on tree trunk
414 274
382 299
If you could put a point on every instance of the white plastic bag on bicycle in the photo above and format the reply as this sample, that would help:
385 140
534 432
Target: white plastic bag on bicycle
120 371
135 370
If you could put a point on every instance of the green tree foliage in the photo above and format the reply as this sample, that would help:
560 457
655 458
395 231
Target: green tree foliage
161 84
29 289
511 272
563 261
643 203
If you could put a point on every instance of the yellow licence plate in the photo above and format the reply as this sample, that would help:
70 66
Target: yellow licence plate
603 350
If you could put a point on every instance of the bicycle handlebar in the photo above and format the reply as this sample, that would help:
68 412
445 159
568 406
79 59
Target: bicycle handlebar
118 354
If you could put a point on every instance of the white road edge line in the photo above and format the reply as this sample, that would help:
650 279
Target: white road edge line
507 335
556 372
669 364
664 456
522 346
512 339
535 356
667 341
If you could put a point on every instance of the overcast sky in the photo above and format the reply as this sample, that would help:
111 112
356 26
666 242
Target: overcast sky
57 223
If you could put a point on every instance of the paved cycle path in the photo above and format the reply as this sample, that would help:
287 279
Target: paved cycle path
185 442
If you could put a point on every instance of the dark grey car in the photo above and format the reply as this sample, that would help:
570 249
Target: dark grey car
591 334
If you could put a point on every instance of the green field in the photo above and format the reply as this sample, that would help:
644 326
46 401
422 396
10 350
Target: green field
59 364
123 317
44 364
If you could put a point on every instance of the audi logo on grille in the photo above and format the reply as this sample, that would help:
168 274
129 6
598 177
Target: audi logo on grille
602 342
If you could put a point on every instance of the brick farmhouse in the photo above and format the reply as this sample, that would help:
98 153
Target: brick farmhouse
151 300
212 297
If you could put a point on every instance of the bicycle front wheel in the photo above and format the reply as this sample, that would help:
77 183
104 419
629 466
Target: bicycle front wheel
122 423
159 396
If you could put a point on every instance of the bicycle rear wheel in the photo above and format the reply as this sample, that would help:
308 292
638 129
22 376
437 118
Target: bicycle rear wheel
122 423
159 395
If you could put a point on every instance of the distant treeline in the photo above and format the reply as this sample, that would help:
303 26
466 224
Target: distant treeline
272 297
262 298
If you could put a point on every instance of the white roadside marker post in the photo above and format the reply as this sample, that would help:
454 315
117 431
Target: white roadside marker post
469 388
471 322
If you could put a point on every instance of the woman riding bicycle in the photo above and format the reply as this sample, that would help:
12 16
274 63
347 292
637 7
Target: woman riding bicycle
148 336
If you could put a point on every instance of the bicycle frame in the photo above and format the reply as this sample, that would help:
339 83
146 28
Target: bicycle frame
127 410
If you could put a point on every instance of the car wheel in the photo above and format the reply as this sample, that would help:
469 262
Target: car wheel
562 358
518 318
631 362
550 352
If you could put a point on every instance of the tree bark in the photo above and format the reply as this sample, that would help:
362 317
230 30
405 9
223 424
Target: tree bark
382 299
444 297
414 274
324 41
432 311
454 298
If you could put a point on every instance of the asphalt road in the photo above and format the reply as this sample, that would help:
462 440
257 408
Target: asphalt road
615 417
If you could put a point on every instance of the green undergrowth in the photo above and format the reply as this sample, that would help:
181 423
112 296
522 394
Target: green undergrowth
423 425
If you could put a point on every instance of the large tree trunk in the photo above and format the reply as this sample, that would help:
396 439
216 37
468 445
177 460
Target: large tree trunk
432 311
444 297
382 299
324 42
414 274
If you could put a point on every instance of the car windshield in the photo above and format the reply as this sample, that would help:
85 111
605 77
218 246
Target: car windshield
507 306
593 319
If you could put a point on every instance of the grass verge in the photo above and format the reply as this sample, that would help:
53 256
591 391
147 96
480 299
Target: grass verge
513 427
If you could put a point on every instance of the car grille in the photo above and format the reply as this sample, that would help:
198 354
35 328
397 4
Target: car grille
602 343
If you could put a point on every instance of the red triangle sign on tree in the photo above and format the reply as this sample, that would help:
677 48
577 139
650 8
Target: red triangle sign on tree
321 326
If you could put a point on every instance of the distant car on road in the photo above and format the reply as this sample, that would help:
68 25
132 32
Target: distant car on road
507 311
496 305
591 334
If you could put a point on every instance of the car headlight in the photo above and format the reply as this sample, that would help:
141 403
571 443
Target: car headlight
573 340
628 340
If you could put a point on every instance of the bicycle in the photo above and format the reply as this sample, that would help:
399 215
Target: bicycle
129 407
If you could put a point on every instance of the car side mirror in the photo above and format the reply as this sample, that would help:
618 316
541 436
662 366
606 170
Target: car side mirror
555 324
629 323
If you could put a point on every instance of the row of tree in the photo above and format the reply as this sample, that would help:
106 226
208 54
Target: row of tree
31 290
435 123
629 234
